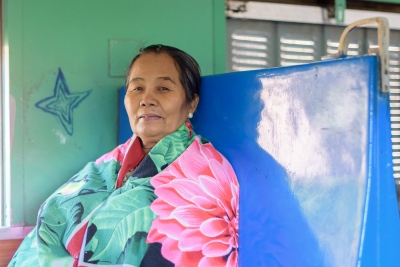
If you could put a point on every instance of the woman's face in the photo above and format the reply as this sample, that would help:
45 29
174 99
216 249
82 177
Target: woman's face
155 100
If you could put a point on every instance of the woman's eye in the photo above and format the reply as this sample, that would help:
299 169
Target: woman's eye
137 89
164 89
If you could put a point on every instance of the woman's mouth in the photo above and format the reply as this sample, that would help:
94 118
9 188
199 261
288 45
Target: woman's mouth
149 117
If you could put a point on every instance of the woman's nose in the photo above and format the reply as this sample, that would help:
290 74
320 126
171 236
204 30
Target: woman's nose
148 99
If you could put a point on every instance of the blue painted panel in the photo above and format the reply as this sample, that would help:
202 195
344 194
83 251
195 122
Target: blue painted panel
311 147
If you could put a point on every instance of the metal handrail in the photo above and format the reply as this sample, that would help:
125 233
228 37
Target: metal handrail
383 45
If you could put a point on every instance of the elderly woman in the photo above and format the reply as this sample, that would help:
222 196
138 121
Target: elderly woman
164 198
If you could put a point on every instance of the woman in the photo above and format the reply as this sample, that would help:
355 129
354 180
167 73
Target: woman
164 198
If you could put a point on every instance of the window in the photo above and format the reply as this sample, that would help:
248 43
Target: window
4 130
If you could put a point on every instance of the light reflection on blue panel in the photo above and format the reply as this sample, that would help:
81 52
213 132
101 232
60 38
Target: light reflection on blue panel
314 123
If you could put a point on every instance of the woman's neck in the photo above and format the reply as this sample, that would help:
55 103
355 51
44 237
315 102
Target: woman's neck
146 147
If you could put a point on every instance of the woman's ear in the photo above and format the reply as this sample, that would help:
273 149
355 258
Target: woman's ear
194 103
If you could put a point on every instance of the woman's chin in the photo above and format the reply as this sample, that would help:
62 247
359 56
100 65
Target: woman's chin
152 135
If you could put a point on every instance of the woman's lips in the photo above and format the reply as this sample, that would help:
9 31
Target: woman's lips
149 117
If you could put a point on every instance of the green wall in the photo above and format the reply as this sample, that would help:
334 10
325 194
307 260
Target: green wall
92 42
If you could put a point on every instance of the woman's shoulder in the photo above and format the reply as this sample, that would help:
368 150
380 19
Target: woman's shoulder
118 153
205 149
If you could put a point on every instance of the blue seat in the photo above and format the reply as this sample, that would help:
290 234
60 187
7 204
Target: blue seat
311 148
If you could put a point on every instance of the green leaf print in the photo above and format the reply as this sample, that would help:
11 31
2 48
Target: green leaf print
117 222
76 217
49 236
135 249
170 148
124 232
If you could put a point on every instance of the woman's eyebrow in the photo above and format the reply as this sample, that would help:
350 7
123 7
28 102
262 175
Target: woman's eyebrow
135 79
166 78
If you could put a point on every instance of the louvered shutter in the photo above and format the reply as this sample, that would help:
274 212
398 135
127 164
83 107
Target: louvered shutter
394 81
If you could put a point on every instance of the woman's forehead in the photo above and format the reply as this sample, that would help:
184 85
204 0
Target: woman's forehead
155 66
155 60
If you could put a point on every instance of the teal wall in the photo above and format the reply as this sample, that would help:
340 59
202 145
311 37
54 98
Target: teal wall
92 42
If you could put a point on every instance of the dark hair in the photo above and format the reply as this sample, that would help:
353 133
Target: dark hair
189 70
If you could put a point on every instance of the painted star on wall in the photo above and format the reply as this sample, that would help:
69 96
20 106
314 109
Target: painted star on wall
62 103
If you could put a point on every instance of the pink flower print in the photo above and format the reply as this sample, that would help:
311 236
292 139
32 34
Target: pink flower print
197 208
